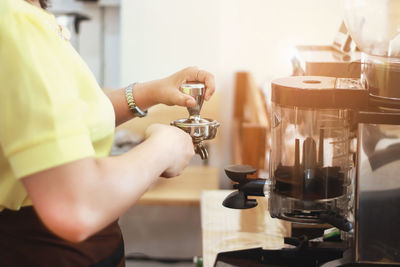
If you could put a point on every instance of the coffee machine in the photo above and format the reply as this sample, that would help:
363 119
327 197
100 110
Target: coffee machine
335 154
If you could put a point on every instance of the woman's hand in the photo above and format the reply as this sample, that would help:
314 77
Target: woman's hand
166 91
169 92
163 91
176 145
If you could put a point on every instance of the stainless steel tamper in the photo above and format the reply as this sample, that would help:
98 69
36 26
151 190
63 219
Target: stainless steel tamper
196 90
200 129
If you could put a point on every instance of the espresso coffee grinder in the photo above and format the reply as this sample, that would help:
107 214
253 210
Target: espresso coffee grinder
335 153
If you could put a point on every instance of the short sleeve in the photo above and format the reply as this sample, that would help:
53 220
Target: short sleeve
41 115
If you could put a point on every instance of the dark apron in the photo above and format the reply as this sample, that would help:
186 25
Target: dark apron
25 241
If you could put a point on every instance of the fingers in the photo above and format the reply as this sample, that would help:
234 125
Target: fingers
208 79
196 75
169 174
190 74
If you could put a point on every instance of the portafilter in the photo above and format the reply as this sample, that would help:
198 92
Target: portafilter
200 129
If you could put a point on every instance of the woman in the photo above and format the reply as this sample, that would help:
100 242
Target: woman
56 131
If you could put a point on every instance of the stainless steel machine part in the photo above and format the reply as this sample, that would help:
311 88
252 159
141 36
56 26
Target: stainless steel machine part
204 129
377 198
200 129
374 26
196 90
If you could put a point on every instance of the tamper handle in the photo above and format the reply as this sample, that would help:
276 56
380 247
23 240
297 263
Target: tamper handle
196 90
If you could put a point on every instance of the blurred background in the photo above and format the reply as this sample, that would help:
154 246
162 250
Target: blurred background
124 41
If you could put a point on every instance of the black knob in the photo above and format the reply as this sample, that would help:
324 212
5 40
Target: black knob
239 200
238 173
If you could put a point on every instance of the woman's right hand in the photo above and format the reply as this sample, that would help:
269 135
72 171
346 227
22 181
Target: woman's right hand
176 145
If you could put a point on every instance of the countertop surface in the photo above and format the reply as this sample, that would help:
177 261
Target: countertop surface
182 190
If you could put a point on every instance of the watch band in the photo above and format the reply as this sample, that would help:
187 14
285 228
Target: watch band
131 102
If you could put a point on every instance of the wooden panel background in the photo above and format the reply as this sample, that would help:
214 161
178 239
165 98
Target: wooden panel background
250 123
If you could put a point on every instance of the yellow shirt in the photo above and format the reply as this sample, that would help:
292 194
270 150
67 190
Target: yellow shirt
52 111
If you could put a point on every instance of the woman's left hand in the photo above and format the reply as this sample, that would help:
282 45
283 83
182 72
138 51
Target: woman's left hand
168 92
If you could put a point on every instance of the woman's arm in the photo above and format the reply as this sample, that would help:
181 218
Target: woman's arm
78 199
163 91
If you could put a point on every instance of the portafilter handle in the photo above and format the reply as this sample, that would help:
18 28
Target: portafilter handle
200 149
196 90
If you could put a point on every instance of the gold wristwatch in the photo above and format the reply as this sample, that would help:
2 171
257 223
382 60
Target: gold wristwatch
131 102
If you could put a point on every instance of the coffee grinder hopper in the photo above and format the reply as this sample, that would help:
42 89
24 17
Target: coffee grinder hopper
375 27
